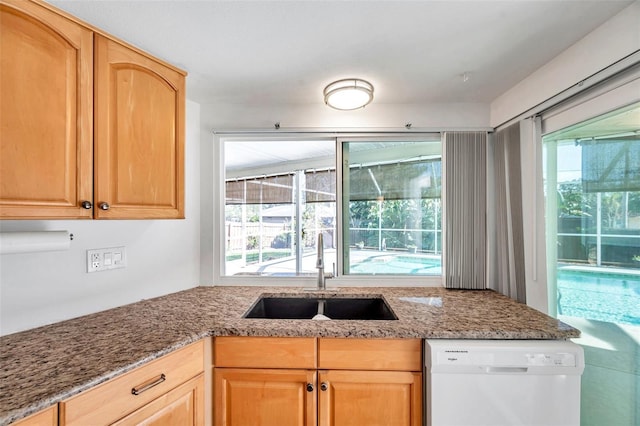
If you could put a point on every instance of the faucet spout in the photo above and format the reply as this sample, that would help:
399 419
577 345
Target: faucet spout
320 263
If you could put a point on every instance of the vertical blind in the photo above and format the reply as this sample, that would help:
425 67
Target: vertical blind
465 210
509 238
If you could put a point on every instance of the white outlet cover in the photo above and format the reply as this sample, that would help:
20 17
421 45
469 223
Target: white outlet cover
106 259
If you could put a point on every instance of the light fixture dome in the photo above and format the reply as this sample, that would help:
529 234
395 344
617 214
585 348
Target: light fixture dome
348 94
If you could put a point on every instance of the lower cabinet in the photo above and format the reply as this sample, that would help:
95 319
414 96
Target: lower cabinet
336 382
167 391
370 398
181 406
46 417
259 381
246 396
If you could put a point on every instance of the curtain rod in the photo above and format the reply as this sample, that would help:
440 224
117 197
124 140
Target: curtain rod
336 131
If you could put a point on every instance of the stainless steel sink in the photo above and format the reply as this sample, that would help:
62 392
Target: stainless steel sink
335 308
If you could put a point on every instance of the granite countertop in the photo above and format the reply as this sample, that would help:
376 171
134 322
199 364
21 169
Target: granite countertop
46 365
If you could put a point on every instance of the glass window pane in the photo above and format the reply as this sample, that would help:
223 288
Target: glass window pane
592 178
278 197
393 222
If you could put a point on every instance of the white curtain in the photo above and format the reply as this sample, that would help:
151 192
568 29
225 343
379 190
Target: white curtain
506 241
465 162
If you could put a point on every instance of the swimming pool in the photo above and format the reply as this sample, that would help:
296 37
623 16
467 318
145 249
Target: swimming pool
396 265
599 295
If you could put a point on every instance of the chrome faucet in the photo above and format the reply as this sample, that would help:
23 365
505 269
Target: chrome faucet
322 284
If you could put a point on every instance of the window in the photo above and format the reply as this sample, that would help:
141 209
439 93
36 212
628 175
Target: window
592 176
279 195
379 214
393 222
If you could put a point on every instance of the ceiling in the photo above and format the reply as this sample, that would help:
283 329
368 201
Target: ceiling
286 52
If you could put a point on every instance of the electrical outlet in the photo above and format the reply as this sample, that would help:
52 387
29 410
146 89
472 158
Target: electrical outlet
106 258
94 260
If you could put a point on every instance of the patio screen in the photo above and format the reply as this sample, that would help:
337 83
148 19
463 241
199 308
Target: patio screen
611 165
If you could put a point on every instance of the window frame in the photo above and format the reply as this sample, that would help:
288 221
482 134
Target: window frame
340 280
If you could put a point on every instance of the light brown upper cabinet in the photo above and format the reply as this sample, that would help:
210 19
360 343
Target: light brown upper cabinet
139 123
91 127
46 109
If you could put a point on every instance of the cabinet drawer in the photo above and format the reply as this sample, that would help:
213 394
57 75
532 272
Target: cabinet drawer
182 406
370 354
264 352
115 398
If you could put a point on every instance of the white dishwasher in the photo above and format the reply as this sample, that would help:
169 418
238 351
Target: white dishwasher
502 382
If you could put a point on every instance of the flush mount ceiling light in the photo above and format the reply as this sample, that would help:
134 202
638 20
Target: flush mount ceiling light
348 94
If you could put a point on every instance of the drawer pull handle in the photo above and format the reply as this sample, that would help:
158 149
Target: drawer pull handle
149 385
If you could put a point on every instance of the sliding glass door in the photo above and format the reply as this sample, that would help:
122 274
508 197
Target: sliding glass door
592 187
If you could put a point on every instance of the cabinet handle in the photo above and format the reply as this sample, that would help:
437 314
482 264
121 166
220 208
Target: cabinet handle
324 386
104 206
86 205
309 387
149 385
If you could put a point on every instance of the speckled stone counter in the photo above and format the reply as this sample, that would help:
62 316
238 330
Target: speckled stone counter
43 366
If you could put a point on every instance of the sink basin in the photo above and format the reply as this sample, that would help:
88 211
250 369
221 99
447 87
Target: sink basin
358 309
284 308
336 308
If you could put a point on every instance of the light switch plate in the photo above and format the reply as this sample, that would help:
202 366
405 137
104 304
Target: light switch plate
106 258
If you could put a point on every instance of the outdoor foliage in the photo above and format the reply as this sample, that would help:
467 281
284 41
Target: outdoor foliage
578 214
406 218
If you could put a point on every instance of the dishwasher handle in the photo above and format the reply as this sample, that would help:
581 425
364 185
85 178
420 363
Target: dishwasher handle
505 370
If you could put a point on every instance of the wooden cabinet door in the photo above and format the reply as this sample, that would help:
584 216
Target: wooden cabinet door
372 398
262 397
182 406
139 135
46 75
46 417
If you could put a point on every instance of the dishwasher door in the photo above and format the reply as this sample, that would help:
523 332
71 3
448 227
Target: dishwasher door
502 382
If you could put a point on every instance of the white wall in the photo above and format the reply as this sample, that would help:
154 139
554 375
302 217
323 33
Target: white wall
607 44
373 116
163 257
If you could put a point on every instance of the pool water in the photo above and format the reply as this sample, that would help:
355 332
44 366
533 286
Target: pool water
597 295
397 265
